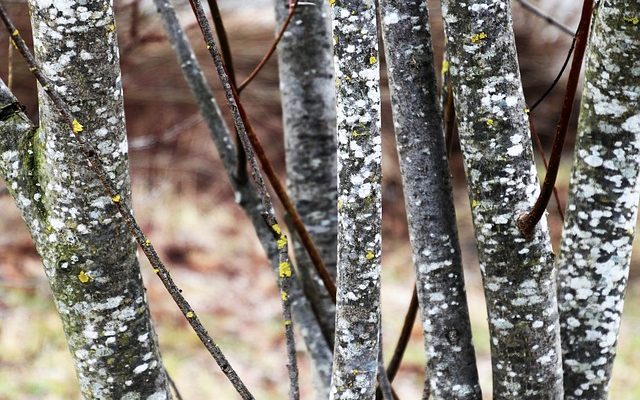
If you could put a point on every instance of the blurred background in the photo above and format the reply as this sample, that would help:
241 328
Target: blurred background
184 202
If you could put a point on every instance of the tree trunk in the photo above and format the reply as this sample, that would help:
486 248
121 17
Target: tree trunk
601 215
88 254
359 199
451 365
307 87
518 272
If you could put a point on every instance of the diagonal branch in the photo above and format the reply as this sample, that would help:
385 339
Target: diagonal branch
123 209
528 221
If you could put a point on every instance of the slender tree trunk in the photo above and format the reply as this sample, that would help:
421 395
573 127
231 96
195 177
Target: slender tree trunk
359 199
307 86
603 197
245 193
451 364
88 254
518 272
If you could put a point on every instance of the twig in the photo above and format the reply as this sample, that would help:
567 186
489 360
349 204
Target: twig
541 14
272 49
10 65
239 119
557 78
405 335
95 165
174 387
528 221
540 149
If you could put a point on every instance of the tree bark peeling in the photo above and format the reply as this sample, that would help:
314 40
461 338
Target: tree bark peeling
356 63
518 272
451 365
603 197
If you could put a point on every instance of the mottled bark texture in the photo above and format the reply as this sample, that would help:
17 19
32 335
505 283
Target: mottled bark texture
88 253
518 272
359 199
245 193
451 366
307 86
595 253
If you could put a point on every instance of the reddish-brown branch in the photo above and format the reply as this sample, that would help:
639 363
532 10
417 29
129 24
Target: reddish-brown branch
540 149
272 49
283 196
405 335
527 222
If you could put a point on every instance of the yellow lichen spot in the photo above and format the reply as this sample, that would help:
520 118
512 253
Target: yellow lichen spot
373 60
490 122
633 20
281 242
478 37
370 255
474 203
156 270
332 3
111 27
340 204
110 360
276 229
83 277
15 33
527 111
285 269
284 295
116 198
190 314
356 371
445 66
287 322
76 126
147 243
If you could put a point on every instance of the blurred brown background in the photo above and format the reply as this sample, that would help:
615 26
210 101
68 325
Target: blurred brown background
184 202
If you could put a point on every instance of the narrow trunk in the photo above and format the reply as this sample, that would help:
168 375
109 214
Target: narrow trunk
519 277
307 86
603 197
451 364
359 199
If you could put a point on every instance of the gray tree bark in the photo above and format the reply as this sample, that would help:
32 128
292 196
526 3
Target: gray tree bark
518 272
451 366
603 197
307 86
88 254
359 199
246 195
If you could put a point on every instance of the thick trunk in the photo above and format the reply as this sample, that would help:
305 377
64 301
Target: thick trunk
359 199
451 364
88 254
307 86
601 215
518 272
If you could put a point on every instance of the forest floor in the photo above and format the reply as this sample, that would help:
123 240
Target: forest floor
185 204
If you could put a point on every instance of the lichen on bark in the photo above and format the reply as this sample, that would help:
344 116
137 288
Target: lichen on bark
595 253
307 86
518 272
451 366
359 199
88 254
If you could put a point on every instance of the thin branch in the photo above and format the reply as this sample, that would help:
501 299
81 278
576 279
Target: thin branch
528 221
145 244
541 14
540 149
240 121
558 77
272 49
405 335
